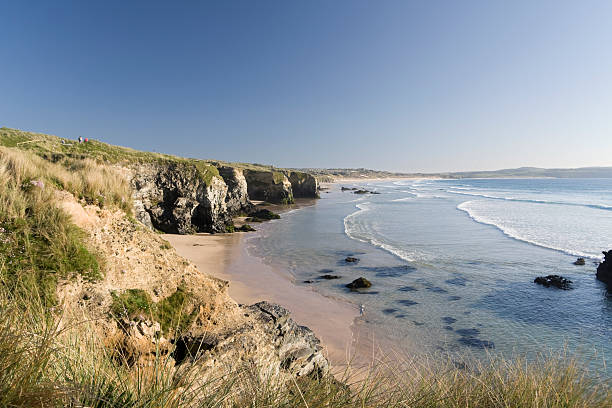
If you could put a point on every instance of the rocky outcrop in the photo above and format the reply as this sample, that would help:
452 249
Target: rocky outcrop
303 185
237 199
604 270
270 186
359 283
180 197
215 335
555 281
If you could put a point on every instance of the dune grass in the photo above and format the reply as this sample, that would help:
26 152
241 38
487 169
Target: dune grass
47 364
38 242
51 359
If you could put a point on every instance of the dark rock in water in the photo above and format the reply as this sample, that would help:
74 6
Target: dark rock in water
348 188
436 289
554 280
328 277
604 270
309 281
453 298
400 316
459 281
389 311
407 302
580 261
361 192
468 332
264 214
449 320
351 259
245 228
389 271
418 323
359 283
477 343
449 328
407 289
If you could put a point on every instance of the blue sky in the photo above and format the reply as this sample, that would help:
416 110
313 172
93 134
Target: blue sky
394 85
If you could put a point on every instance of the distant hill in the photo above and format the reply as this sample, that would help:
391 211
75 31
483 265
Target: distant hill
526 172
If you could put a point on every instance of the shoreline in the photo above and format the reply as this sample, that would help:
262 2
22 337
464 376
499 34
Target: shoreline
225 256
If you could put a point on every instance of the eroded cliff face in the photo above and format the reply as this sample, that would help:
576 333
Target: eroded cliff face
303 184
217 336
237 198
270 186
180 198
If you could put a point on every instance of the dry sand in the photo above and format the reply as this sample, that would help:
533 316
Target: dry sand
225 256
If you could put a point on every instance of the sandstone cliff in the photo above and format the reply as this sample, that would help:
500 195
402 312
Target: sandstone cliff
206 327
303 185
186 197
270 186
237 199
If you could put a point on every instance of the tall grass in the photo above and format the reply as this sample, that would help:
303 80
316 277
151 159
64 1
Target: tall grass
56 362
51 359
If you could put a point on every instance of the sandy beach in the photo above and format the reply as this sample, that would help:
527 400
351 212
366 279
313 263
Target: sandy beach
225 256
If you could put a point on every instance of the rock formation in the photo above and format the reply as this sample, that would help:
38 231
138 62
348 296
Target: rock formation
554 280
237 199
604 270
359 283
180 197
215 334
303 184
270 186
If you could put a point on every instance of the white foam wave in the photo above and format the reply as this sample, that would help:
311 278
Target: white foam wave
362 233
528 230
403 199
529 200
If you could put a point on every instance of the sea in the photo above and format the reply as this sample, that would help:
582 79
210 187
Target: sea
452 262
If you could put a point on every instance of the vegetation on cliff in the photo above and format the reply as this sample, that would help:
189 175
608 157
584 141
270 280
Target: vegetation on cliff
52 355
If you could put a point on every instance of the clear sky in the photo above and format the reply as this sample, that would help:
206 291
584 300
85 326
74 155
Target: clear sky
395 85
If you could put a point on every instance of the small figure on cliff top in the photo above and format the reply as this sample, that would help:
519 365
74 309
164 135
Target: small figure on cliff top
80 139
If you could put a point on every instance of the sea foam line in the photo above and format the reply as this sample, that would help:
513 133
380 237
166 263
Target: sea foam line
525 200
362 208
509 232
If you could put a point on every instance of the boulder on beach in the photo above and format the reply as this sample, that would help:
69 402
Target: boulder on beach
351 259
604 270
554 280
359 283
580 261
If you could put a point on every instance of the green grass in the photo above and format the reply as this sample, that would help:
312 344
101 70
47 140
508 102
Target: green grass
38 242
172 312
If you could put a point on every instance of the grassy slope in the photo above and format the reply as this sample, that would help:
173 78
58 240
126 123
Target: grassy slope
45 364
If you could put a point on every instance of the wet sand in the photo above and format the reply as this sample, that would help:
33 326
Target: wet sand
225 256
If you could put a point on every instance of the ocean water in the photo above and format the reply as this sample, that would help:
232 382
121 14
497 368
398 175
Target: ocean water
452 262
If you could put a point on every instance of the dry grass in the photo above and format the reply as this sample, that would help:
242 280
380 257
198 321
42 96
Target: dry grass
47 360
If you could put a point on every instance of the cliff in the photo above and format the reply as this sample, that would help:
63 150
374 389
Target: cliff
173 194
270 186
303 185
205 327
90 261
